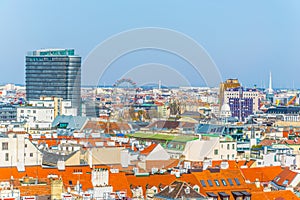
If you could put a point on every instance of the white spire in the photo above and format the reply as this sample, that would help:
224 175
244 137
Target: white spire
270 89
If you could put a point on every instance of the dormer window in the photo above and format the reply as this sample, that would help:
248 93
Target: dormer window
187 190
285 182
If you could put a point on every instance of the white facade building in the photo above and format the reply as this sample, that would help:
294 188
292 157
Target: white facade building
18 151
214 148
36 116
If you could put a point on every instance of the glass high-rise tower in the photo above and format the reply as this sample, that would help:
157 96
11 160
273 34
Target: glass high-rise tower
54 73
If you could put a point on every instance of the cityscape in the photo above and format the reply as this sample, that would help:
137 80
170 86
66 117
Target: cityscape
150 112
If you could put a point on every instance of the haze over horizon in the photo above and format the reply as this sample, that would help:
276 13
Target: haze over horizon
246 40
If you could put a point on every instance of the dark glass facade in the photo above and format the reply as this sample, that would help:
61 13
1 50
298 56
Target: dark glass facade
54 73
8 113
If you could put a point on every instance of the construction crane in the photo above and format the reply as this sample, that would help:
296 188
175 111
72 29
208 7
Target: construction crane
291 101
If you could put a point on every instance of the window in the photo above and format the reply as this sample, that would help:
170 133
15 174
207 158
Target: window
228 146
6 157
237 181
25 145
277 179
285 182
230 181
216 152
31 154
210 183
22 111
196 188
217 182
233 146
187 190
203 183
34 111
224 182
4 145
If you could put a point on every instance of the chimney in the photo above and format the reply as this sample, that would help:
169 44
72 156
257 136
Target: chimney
124 158
61 165
90 157
207 163
257 183
224 164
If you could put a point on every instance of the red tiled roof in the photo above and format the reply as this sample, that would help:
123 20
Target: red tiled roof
286 174
120 183
153 180
291 142
263 174
274 195
220 187
34 190
148 150
267 142
231 163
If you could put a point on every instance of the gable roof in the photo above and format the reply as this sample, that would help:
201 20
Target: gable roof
148 149
224 181
285 177
51 159
263 174
197 150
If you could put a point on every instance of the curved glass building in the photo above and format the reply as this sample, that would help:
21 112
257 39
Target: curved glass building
54 73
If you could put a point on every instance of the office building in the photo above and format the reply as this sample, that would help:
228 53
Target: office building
54 73
8 112
242 102
229 83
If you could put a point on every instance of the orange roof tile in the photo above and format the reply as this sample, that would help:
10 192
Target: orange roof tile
263 174
149 149
217 179
285 175
152 180
119 183
274 195
34 190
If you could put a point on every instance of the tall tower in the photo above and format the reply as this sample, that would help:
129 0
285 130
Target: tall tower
270 89
54 73
229 83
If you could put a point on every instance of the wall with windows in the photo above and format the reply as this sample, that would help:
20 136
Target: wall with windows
16 150
32 115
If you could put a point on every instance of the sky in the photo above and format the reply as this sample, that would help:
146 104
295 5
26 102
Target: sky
245 39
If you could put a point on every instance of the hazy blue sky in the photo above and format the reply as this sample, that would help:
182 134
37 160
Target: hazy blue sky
246 39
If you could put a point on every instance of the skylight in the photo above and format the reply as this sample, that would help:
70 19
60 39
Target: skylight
237 181
203 183
217 182
210 183
230 182
223 182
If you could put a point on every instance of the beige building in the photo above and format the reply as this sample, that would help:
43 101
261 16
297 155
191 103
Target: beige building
229 83
214 148
16 150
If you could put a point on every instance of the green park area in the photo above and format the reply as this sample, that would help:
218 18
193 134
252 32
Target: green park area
166 137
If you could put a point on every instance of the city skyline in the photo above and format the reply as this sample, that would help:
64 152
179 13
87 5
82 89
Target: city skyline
245 40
